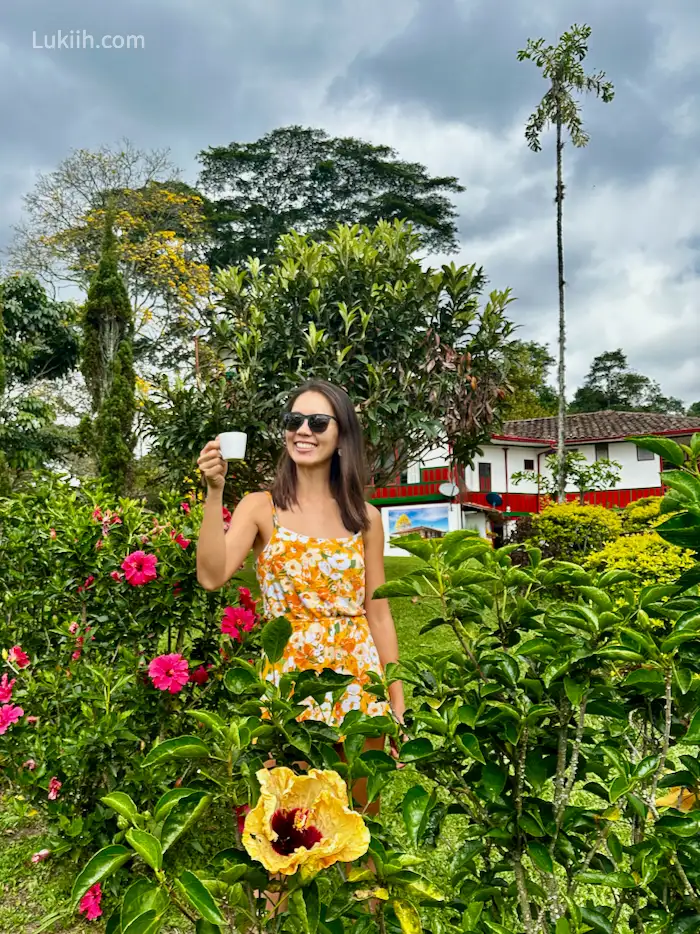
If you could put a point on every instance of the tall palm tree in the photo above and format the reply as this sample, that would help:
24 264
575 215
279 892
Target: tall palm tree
562 67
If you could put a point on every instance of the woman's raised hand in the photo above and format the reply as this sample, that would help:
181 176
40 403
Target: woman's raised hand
212 465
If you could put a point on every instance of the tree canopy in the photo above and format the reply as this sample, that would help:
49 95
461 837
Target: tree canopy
612 385
529 365
301 179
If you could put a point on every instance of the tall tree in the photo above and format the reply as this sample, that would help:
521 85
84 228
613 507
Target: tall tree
38 348
529 364
107 365
561 65
297 178
611 384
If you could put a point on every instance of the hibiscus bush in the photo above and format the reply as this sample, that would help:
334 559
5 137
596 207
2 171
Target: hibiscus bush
106 639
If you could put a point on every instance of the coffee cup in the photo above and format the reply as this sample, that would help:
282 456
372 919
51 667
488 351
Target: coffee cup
233 445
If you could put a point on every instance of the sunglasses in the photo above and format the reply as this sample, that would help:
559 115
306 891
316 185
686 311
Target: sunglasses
293 421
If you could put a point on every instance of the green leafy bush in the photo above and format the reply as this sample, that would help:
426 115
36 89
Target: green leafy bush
644 554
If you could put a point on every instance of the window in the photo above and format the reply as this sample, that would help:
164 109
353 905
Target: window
602 452
403 478
643 455
484 478
529 464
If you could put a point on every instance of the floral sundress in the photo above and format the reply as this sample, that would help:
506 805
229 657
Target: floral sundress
319 585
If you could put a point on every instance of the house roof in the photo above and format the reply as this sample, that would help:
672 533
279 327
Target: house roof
598 426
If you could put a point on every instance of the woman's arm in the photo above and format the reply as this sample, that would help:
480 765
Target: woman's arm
379 616
219 554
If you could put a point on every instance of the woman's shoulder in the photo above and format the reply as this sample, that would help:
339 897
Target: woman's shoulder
374 517
255 503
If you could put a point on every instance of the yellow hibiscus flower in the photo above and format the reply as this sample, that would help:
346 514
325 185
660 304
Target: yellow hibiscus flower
303 820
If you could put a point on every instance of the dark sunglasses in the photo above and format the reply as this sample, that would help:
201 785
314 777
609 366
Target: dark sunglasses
293 421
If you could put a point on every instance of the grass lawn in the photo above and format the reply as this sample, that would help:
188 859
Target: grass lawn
28 892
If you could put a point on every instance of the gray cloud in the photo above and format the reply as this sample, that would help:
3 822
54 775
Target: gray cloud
440 81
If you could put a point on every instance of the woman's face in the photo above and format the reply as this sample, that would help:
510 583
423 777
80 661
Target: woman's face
305 447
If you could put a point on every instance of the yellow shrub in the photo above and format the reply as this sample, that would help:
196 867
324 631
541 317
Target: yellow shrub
571 531
646 555
641 514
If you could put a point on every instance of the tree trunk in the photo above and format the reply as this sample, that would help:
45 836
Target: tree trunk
561 420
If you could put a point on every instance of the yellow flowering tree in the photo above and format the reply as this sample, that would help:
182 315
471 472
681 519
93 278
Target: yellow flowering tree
644 554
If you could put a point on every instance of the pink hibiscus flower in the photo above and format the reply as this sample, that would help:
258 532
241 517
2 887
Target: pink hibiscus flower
89 581
200 675
185 508
73 628
139 568
54 788
6 689
41 856
52 534
90 903
169 672
236 618
29 764
180 539
18 657
116 575
76 655
9 715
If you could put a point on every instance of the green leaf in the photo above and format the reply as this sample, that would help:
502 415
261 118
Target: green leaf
466 577
240 680
407 916
397 588
206 927
469 744
684 483
147 923
275 636
596 920
168 801
646 767
493 779
199 897
416 808
418 547
596 596
181 747
575 690
183 815
693 734
688 924
562 927
103 864
147 846
671 452
123 805
305 907
416 749
613 880
208 718
142 896
539 854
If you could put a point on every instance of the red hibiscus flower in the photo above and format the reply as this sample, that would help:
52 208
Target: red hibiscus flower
18 657
180 539
200 675
227 518
54 788
97 514
89 581
169 672
90 903
73 628
115 520
185 508
29 764
246 599
6 689
9 715
76 655
139 568
116 575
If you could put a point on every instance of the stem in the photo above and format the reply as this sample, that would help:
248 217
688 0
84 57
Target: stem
687 887
561 417
564 714
459 632
665 746
520 774
522 893
573 765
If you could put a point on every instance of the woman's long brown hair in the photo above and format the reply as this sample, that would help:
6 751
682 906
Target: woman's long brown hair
348 472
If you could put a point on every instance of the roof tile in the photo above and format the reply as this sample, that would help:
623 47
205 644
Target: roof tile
600 426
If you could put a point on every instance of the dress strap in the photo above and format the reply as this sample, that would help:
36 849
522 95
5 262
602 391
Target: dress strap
274 509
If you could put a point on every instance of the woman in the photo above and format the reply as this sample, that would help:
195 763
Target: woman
319 550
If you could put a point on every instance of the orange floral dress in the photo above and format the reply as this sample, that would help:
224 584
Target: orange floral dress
319 585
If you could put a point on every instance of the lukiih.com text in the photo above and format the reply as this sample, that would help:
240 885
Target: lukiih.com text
82 39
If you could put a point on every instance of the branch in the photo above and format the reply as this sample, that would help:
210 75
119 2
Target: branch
665 745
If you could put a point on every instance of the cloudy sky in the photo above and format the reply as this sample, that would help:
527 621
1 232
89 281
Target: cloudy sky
440 82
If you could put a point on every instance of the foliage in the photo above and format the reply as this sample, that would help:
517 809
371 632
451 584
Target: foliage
38 346
579 472
610 384
644 554
107 365
90 634
641 514
569 531
532 396
561 66
300 179
359 310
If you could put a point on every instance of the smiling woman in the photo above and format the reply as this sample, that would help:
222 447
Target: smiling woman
319 551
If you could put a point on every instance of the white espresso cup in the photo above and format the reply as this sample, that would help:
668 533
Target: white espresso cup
233 445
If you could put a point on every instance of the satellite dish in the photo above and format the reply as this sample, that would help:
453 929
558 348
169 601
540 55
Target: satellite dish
448 489
493 499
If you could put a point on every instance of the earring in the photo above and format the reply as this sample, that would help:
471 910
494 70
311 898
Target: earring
340 453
